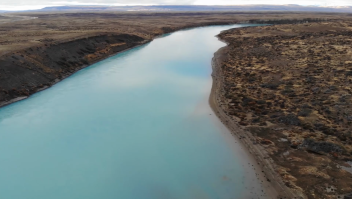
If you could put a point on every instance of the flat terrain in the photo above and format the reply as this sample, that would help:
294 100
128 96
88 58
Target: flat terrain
291 87
50 27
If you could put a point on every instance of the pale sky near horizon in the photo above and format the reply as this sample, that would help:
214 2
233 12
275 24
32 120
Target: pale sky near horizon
37 4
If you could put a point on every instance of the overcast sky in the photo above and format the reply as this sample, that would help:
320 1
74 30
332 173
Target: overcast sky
36 4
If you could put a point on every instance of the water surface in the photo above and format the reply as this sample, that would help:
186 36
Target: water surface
134 126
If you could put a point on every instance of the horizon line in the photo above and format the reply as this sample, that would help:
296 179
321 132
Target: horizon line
39 7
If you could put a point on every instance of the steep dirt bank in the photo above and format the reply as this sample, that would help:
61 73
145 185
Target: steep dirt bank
285 91
33 69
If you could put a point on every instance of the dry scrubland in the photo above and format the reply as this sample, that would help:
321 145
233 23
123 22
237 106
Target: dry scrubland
19 32
289 85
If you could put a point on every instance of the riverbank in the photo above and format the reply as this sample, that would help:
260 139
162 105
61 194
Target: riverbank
282 93
265 163
69 73
72 64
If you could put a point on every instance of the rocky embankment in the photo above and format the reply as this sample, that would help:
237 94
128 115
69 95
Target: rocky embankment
33 69
290 88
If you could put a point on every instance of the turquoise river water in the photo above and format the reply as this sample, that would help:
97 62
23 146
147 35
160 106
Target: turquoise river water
134 126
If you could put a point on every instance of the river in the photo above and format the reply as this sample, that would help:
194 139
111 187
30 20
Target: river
134 126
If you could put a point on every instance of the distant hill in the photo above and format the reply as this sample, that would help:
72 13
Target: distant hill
291 7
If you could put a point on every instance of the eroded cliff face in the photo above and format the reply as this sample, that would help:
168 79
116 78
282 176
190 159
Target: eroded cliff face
290 86
25 72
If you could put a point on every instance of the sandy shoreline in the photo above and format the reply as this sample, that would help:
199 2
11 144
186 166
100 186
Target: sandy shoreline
256 150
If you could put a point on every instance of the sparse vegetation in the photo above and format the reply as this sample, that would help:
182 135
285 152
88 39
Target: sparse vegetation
304 89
